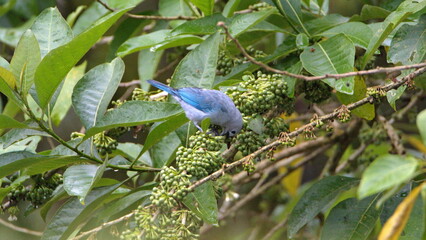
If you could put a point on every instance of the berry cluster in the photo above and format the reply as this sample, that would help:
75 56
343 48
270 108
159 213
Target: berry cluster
173 187
38 193
179 224
316 91
249 141
256 95
104 143
226 62
203 155
275 126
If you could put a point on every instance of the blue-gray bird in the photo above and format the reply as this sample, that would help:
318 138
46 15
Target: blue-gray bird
199 104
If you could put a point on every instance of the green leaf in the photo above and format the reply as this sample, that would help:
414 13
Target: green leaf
63 103
302 40
316 199
142 42
332 56
203 203
176 41
292 11
80 179
319 25
18 134
415 227
365 111
163 129
352 219
369 12
198 68
230 7
93 93
391 22
59 194
131 151
51 30
89 16
58 62
5 7
147 66
242 22
134 113
358 32
8 122
421 125
25 61
127 29
11 36
200 26
7 85
206 6
72 214
135 197
394 94
8 78
409 44
11 162
291 82
163 153
169 8
385 172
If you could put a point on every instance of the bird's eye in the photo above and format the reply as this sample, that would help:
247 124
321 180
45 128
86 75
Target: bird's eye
233 132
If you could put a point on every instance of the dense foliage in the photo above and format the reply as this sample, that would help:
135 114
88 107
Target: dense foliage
332 147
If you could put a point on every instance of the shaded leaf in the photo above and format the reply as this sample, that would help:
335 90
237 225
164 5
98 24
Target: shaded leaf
198 68
147 66
395 224
203 203
80 179
230 7
163 153
18 134
93 93
206 6
358 32
58 62
163 129
242 22
134 113
132 151
365 111
421 125
292 11
205 25
405 9
142 42
352 219
51 30
72 214
63 102
332 56
8 122
25 61
385 172
11 162
176 41
319 25
409 43
315 199
394 94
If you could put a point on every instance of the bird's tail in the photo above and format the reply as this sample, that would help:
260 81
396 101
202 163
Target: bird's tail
162 86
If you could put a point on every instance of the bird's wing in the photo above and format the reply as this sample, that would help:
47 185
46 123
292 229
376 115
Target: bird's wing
203 100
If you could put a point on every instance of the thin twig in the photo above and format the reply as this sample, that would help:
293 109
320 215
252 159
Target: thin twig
20 229
324 118
313 78
148 16
393 136
105 225
275 229
131 83
352 157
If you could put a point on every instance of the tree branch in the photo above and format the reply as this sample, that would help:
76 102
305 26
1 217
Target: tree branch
313 78
20 229
148 16
324 118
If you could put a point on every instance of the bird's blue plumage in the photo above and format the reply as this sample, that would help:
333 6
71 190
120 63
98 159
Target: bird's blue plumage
199 104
